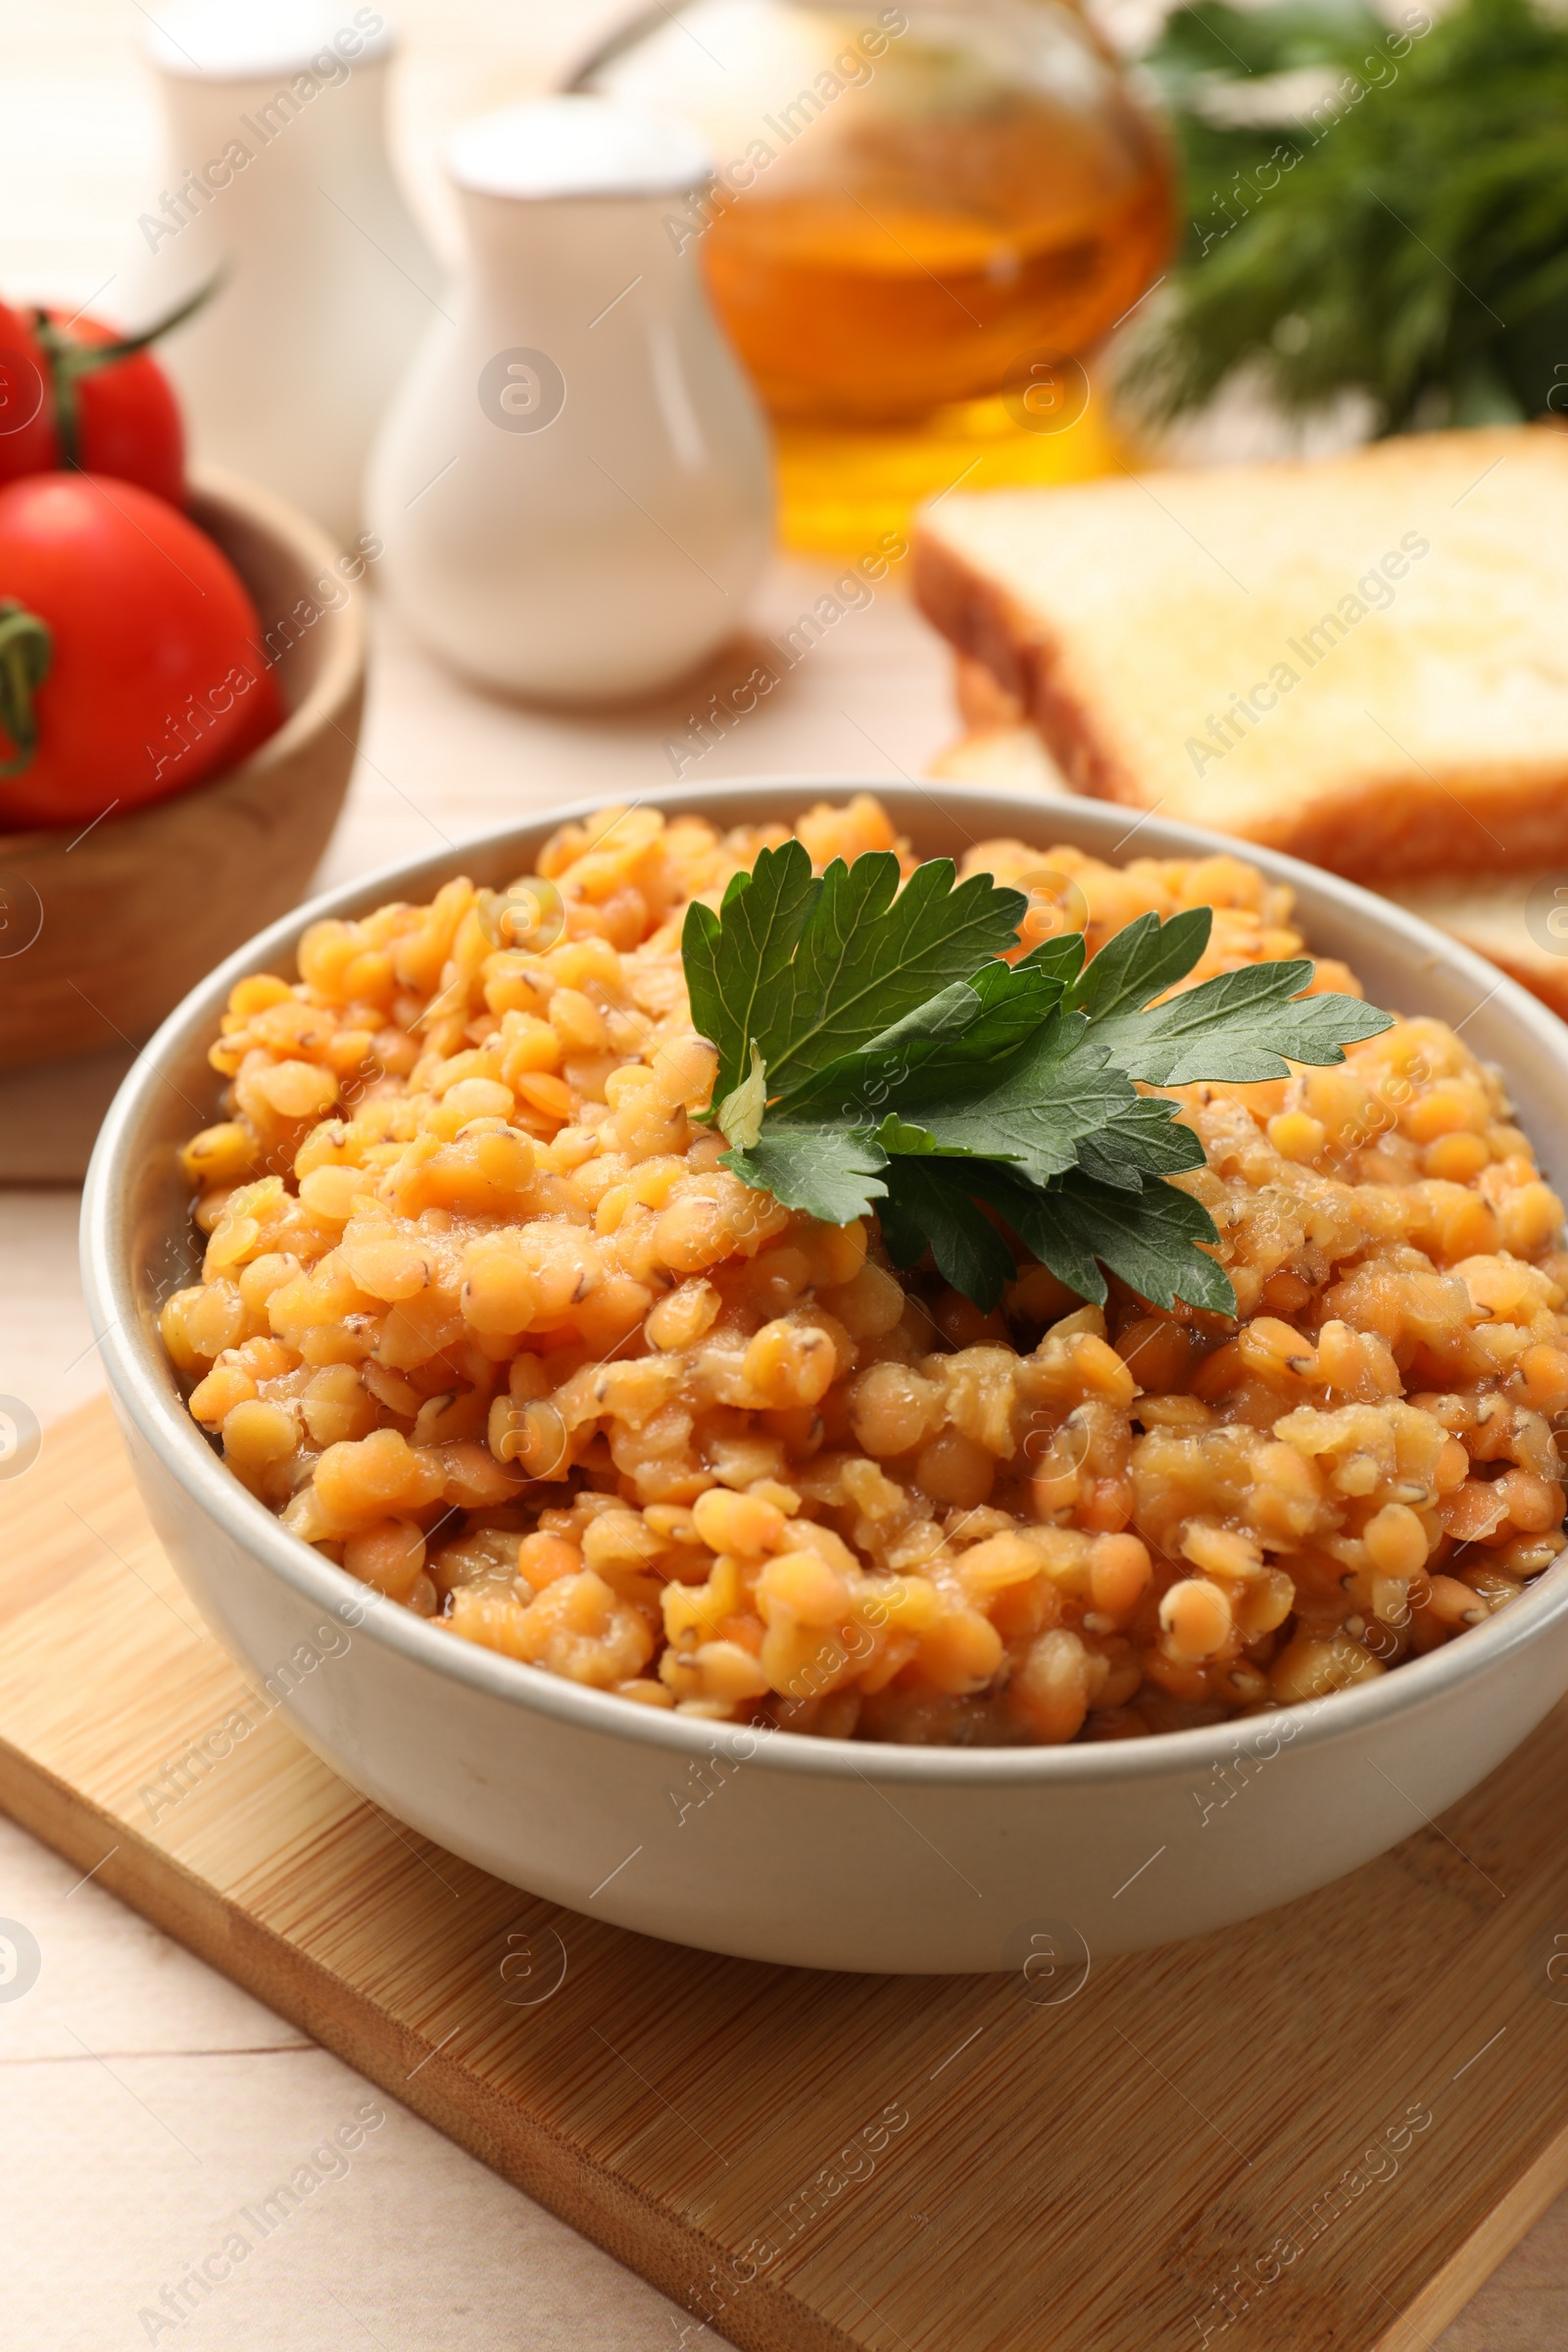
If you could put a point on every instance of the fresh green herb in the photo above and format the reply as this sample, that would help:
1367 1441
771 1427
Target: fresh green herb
1370 206
877 1054
807 969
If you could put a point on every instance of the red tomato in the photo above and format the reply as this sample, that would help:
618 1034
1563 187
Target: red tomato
27 440
157 676
121 419
127 418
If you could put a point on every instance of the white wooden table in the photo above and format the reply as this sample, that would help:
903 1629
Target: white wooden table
145 2098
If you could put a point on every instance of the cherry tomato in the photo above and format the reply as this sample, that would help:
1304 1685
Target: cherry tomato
63 405
28 438
126 419
132 661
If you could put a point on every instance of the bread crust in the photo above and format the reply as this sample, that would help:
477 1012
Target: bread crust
1489 917
1385 814
1548 983
991 629
1395 826
983 703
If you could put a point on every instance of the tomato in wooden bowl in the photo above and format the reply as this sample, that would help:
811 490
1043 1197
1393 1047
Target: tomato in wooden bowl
132 662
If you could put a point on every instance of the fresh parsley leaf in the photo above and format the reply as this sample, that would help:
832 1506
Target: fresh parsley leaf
736 959
1063 957
901 1141
1148 1238
811 971
1237 1028
1145 1139
739 1117
1042 1099
865 957
1015 998
879 1055
1139 961
834 1173
928 1207
952 1044
860 1084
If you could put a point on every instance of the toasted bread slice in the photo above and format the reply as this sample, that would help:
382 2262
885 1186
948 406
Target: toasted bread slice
1505 917
1362 660
984 703
1010 758
1509 918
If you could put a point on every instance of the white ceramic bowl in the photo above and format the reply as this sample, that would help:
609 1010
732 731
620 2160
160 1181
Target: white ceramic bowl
825 1853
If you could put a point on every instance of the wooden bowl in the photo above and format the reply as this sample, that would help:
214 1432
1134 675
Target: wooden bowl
103 932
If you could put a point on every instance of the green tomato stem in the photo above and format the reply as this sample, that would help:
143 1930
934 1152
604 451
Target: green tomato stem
27 649
68 361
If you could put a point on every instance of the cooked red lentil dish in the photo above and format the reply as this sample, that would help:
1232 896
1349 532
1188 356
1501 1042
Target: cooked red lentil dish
483 1320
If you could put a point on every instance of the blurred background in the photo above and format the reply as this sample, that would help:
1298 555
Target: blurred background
983 245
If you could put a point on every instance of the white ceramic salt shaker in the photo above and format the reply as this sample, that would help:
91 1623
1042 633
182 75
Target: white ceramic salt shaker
573 487
276 173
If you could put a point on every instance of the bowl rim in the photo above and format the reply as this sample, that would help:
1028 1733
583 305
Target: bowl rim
142 1385
341 674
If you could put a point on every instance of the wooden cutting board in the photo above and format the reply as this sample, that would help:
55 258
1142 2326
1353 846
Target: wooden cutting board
1322 2130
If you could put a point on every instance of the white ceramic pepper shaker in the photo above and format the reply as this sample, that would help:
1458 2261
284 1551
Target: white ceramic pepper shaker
276 173
573 487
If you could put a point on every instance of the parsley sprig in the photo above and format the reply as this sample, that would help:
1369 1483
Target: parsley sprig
876 1054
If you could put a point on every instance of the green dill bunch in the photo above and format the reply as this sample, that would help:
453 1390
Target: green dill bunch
1402 233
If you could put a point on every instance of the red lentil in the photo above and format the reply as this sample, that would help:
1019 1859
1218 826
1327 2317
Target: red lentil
481 1317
